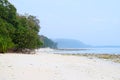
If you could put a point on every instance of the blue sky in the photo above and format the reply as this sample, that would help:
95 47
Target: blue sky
95 22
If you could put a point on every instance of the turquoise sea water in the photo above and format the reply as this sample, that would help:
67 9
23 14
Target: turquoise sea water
88 50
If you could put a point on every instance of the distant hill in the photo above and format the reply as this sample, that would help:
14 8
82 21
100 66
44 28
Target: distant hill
70 43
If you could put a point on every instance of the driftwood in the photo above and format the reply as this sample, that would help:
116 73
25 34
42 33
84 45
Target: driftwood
24 51
28 51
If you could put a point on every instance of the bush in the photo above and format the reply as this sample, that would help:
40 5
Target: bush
5 44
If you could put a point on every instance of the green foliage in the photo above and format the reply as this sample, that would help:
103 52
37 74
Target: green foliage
8 12
7 17
5 43
48 42
33 23
19 32
6 31
26 39
26 34
30 22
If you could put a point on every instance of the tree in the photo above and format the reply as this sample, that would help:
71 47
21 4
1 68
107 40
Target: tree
26 34
48 42
33 23
17 32
7 23
8 12
6 31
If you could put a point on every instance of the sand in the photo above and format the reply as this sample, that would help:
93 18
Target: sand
45 66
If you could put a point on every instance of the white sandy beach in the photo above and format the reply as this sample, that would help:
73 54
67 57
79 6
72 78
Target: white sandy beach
56 67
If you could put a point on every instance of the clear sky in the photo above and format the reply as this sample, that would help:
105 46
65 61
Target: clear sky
95 22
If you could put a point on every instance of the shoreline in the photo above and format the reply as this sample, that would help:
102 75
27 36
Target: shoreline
111 57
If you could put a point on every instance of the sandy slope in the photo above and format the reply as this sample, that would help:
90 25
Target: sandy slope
56 67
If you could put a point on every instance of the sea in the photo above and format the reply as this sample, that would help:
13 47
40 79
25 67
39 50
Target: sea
87 51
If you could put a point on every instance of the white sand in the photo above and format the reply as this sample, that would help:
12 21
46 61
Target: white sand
56 67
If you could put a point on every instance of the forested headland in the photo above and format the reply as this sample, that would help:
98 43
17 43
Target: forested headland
19 32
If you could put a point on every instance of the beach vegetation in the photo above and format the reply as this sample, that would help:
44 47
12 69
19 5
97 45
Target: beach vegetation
19 32
48 42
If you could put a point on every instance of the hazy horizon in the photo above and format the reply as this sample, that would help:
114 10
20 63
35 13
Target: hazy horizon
93 22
